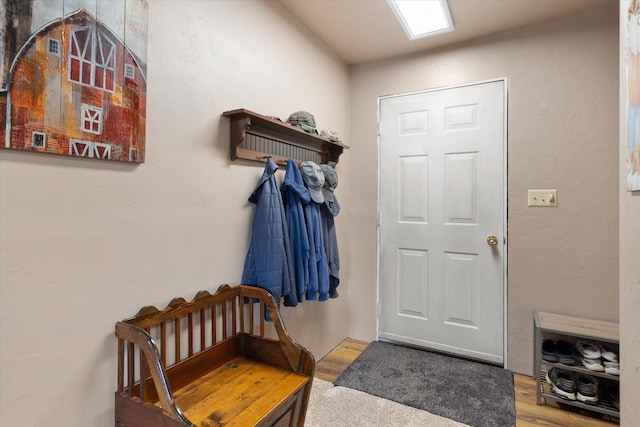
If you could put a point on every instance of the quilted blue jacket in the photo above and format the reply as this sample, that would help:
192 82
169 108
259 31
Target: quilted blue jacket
268 261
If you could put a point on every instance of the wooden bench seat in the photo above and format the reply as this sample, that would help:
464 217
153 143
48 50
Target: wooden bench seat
238 393
209 363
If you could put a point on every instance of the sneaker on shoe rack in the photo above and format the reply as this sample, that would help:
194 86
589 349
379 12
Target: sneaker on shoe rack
592 364
586 388
607 352
549 351
588 350
612 368
562 382
566 352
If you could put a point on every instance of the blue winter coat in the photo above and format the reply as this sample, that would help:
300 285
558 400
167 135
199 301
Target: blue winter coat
295 195
318 268
268 261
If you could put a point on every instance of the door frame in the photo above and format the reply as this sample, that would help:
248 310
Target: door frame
505 202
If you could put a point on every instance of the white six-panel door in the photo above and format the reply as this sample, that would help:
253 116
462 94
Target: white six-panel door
442 197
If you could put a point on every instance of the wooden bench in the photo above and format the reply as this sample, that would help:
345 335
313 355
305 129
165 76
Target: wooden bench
210 362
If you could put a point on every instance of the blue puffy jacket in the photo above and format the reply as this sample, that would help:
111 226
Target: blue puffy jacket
295 195
268 261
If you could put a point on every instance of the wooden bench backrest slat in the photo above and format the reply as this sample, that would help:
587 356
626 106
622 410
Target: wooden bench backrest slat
241 303
131 366
163 343
214 322
176 337
234 317
144 373
202 329
120 364
224 321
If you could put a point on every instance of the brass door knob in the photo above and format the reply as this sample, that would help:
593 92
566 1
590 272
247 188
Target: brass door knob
492 240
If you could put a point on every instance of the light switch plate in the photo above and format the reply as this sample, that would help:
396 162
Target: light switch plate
543 197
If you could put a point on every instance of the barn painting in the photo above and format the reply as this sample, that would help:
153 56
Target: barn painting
74 77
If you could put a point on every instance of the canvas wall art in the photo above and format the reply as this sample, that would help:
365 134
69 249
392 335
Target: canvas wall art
632 83
73 77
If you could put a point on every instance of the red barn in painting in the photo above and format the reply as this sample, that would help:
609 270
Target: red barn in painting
75 88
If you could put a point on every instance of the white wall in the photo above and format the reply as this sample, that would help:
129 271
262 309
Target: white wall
87 243
629 267
562 133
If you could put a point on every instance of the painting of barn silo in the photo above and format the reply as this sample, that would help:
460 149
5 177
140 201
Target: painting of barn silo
74 77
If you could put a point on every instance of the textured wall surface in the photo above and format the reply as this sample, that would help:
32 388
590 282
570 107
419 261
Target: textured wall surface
562 133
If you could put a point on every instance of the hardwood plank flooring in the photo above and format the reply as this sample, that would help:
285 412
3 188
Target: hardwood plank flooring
528 413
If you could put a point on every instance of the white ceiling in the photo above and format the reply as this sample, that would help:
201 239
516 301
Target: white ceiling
367 30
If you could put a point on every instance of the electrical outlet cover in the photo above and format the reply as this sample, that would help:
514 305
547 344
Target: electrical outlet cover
546 198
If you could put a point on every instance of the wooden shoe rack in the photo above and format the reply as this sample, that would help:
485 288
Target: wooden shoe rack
570 328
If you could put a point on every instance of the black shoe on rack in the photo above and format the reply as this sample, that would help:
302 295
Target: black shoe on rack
586 388
562 383
566 352
549 352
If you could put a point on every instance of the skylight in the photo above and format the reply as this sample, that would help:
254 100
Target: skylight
422 18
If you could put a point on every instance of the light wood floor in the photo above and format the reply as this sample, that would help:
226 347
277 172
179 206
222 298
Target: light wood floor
528 414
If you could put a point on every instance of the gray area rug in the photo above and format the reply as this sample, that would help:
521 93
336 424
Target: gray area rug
472 393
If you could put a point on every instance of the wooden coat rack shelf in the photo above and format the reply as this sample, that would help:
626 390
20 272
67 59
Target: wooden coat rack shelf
257 137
